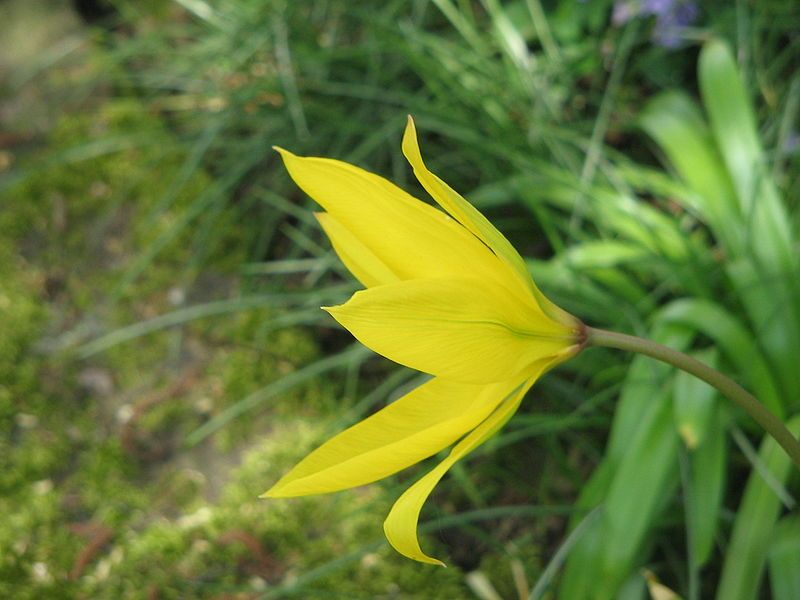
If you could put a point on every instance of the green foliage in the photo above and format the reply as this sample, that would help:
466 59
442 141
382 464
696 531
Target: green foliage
730 192
158 239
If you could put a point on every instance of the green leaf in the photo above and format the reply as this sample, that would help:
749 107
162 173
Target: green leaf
643 483
694 402
772 306
734 128
643 381
754 527
583 565
677 125
766 272
733 339
704 498
635 479
784 560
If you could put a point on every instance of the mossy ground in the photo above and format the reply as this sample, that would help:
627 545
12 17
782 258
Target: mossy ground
102 497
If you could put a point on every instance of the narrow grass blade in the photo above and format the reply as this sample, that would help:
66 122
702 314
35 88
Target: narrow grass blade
643 484
210 309
546 578
734 128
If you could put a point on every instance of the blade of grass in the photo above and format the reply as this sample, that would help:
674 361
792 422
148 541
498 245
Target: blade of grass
556 562
355 352
199 311
593 152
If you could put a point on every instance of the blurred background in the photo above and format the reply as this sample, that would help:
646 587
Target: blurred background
163 359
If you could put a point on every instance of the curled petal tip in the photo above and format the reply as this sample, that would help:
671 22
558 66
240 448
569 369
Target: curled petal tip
424 558
428 560
437 562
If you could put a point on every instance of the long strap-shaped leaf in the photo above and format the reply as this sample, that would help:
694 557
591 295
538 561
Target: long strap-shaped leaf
733 339
784 560
767 276
753 529
725 165
636 477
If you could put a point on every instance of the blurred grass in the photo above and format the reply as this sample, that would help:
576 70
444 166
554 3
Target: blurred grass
197 253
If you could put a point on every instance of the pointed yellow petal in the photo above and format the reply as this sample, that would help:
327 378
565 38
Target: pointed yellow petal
464 330
458 207
411 238
400 526
471 218
416 426
359 260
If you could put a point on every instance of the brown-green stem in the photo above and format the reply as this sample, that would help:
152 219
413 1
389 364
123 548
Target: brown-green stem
727 386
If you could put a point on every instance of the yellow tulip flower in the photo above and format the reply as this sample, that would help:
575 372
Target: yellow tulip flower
446 294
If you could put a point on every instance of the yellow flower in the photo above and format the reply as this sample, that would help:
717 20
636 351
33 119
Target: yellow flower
446 294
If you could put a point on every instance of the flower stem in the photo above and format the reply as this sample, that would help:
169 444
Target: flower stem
727 386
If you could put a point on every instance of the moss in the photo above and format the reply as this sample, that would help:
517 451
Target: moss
242 544
36 545
22 318
246 362
93 195
62 464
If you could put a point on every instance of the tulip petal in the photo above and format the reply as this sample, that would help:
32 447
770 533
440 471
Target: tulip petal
412 428
464 330
359 260
400 526
413 239
471 218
